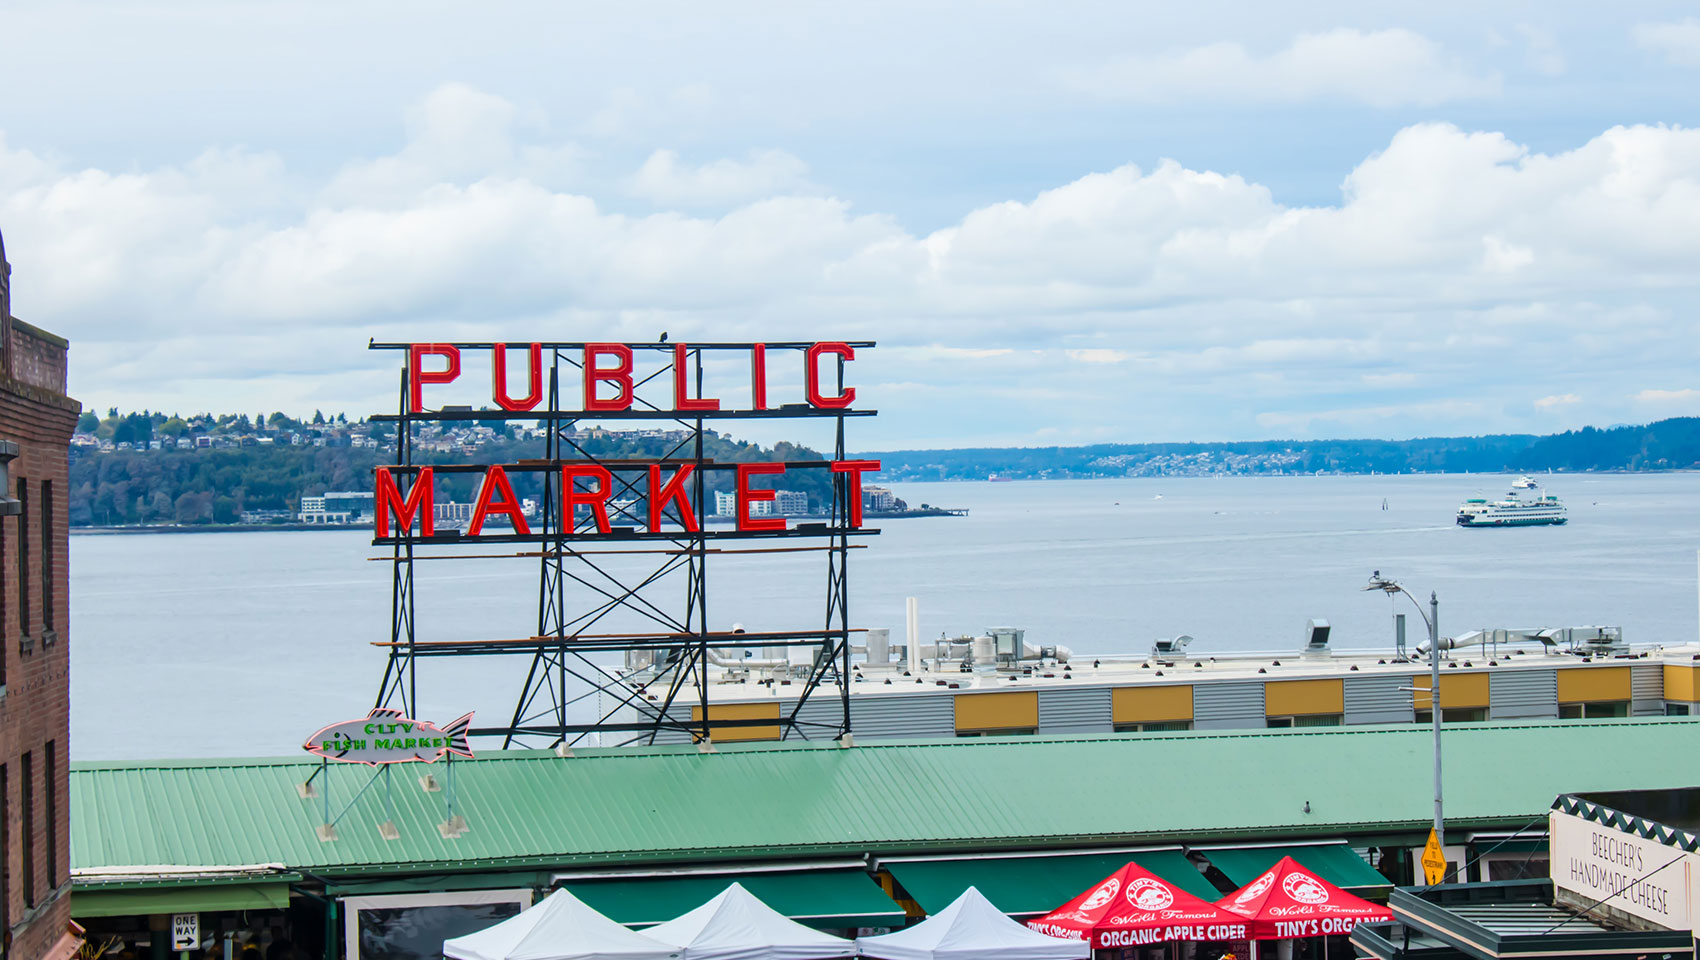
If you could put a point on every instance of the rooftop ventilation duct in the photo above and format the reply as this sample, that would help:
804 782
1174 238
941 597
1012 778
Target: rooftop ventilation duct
1167 649
1316 638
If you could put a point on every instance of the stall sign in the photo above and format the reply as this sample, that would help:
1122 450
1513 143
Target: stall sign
387 736
1637 875
185 931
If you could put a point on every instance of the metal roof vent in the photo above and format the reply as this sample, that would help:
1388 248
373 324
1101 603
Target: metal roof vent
1316 638
1167 649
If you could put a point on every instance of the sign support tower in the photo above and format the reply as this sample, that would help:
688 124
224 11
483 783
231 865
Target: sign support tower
587 672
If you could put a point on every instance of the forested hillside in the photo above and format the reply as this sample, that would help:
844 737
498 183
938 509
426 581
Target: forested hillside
1665 445
142 469
221 484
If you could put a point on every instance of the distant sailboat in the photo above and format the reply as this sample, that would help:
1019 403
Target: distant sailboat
1384 503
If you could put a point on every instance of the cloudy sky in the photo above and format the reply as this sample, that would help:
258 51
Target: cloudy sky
1063 222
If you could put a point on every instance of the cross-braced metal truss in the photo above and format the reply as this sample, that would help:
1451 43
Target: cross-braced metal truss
633 569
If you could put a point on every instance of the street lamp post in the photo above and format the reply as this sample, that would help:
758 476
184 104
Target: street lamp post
1432 619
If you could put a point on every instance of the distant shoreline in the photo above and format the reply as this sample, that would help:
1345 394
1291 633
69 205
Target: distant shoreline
316 527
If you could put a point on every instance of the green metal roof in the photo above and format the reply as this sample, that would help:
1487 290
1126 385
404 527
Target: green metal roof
1037 884
828 899
1334 862
761 801
269 895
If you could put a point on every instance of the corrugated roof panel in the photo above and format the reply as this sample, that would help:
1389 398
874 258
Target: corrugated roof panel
774 800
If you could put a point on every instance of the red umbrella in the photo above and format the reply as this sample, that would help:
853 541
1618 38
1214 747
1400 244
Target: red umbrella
1290 901
1134 906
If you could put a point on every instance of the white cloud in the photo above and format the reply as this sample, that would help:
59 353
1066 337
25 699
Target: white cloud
967 353
1679 42
1557 402
1683 397
1463 263
1541 50
1377 420
1498 256
455 135
629 111
665 181
1097 356
1383 68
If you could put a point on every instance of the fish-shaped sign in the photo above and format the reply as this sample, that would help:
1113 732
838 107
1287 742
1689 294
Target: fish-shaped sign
386 736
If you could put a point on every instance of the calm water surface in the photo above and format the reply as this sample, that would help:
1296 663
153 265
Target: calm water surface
241 644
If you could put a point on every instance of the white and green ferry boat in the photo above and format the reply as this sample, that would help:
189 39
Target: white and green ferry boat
1524 506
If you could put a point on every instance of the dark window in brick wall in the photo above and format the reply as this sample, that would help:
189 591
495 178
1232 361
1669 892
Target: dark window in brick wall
24 558
5 851
46 555
26 830
5 624
51 789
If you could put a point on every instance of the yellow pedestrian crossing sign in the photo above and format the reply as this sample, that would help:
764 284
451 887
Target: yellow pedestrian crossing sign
1434 860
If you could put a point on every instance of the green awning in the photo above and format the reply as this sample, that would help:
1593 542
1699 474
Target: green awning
92 901
1036 884
1514 845
1335 862
826 899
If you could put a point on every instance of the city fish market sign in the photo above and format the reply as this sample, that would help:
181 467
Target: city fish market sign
386 736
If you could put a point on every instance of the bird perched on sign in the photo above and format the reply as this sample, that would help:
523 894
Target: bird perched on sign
662 338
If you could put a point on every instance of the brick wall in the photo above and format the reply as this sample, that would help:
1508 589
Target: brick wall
36 415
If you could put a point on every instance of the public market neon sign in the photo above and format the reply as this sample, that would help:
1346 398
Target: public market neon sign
610 386
611 365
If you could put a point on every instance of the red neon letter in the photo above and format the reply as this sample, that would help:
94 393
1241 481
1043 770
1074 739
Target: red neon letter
418 501
496 481
595 497
535 366
758 376
811 375
418 376
746 496
660 496
855 468
681 397
620 374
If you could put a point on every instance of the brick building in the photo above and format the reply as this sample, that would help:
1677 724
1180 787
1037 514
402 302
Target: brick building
36 421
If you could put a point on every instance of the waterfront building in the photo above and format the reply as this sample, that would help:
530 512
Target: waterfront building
1000 683
878 499
861 836
357 504
785 503
336 508
450 513
36 423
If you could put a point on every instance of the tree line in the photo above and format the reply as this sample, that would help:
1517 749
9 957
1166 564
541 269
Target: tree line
1672 444
218 486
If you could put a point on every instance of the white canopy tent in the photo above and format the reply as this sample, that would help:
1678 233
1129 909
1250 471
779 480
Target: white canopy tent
971 928
735 925
560 927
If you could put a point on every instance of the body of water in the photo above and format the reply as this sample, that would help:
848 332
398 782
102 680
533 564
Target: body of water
241 644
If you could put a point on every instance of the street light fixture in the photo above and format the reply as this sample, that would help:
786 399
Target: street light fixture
1431 617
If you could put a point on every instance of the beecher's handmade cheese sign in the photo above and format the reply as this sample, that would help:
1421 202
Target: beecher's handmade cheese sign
612 385
1622 871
